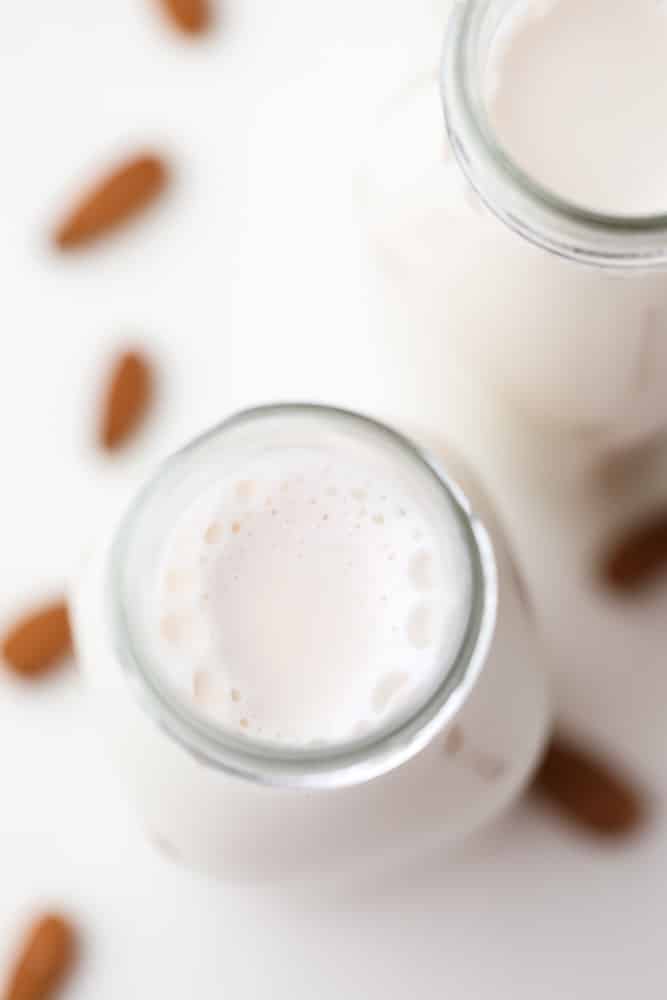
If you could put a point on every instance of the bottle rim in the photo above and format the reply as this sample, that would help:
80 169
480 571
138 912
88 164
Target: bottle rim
565 228
272 764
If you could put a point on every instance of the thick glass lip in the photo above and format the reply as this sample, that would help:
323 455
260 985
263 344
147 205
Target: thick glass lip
356 761
535 212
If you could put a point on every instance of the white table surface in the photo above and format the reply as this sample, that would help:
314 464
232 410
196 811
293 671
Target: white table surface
256 280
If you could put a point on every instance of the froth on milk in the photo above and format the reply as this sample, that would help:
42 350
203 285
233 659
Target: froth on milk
303 599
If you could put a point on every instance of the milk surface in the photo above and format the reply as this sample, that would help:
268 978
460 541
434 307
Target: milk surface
577 94
304 600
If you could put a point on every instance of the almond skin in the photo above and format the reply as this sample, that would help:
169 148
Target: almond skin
39 641
637 557
192 16
46 959
128 399
125 192
588 791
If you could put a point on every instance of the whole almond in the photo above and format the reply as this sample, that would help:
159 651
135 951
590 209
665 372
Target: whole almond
191 16
38 641
46 959
638 556
123 193
127 400
588 791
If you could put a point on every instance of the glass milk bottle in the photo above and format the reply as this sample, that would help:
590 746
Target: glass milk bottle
415 767
531 236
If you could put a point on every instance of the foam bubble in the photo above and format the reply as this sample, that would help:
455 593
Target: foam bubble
202 686
177 579
214 532
421 570
245 490
172 628
419 626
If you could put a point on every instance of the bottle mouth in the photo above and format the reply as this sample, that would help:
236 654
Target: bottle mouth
283 765
624 242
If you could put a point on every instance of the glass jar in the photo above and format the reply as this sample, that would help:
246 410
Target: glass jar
565 308
247 810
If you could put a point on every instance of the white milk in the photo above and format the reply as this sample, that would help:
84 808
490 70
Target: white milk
576 93
438 754
304 600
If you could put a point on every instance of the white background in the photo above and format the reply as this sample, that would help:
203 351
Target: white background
256 280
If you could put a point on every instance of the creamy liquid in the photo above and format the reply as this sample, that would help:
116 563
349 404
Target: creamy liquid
578 96
583 348
305 600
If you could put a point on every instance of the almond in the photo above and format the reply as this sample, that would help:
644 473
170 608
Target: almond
39 641
128 398
191 16
47 957
116 198
638 556
588 791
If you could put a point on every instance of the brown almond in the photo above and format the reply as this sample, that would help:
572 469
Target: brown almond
128 399
588 791
638 556
38 641
191 16
46 959
123 193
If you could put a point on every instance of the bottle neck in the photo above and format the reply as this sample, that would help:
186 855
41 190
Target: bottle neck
136 552
540 216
